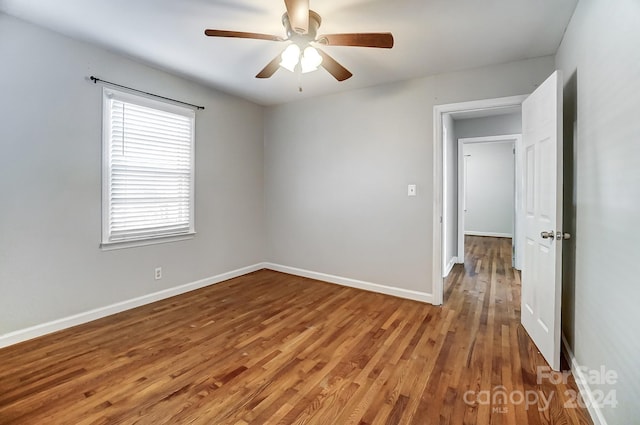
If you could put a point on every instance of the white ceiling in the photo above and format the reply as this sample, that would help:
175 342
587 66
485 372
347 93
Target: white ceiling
431 37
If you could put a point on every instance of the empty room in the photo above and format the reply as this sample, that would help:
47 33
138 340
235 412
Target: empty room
319 212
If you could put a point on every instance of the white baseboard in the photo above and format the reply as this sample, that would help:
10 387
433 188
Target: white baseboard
450 265
98 313
583 385
21 335
353 283
491 234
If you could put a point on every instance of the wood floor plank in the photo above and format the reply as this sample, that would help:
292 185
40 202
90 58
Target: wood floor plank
271 348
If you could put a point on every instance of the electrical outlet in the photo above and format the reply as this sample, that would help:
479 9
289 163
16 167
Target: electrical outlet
158 274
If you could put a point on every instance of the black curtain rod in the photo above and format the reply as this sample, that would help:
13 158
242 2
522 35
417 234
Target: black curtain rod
95 81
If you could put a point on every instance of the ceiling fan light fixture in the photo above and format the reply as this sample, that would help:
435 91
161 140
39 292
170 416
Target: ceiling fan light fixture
310 60
290 57
301 26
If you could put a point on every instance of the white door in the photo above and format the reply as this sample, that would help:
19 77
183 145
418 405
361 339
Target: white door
542 271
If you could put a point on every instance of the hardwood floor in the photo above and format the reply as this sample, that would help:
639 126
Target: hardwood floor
270 348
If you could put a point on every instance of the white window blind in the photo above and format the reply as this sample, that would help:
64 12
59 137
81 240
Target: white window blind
148 168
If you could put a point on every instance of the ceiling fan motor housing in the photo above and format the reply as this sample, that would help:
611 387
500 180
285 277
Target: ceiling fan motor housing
314 23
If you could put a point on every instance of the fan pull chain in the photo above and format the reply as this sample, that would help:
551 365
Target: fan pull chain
300 81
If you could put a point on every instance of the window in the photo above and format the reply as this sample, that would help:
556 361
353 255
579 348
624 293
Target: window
147 177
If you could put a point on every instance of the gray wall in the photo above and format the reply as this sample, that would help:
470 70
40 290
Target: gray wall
50 134
490 205
489 126
337 169
600 58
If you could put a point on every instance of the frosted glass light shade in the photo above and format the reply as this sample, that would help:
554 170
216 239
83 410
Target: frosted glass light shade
310 60
290 57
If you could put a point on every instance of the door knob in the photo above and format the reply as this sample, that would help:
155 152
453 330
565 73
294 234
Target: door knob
548 235
561 236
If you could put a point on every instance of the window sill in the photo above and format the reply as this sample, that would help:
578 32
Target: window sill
110 246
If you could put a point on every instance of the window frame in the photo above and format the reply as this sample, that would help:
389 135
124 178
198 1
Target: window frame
144 101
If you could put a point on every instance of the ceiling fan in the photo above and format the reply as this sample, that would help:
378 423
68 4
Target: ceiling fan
301 25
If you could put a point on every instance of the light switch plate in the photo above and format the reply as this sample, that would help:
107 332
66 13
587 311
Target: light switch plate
411 190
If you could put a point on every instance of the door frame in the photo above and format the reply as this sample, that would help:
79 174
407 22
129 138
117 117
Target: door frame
518 230
438 178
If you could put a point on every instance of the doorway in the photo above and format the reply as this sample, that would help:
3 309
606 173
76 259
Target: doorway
542 192
442 196
489 189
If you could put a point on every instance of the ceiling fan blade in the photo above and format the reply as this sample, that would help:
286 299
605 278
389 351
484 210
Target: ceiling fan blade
298 12
338 71
382 40
240 34
270 69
